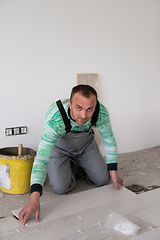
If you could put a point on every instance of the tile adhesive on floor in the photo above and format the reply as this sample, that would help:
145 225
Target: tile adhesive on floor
82 214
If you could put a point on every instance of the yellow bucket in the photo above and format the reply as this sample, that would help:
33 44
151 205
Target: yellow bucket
15 169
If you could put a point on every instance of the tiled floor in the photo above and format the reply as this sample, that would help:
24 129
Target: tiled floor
82 214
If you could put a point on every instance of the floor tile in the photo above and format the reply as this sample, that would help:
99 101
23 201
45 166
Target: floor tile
151 215
151 235
97 233
61 207
124 207
70 204
144 225
9 225
55 229
110 193
152 198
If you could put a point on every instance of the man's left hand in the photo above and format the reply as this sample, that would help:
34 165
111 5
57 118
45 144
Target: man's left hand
116 179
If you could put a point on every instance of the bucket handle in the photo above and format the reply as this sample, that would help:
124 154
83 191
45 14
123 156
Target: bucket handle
20 150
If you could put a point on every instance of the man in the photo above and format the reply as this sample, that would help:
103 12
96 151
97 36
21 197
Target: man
67 142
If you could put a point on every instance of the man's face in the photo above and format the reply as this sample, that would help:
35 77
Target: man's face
81 108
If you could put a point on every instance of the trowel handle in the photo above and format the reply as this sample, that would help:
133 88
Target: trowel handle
20 150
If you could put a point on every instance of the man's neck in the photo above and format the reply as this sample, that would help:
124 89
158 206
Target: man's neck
69 113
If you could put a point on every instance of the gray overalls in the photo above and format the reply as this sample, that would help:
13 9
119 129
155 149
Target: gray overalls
76 149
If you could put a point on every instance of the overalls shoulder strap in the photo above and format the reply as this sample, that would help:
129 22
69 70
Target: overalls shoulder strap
64 116
67 120
95 114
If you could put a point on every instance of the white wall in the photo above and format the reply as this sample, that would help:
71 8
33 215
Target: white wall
45 43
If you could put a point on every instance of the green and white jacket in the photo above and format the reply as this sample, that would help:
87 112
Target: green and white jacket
54 128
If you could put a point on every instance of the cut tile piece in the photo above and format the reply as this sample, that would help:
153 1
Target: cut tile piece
89 79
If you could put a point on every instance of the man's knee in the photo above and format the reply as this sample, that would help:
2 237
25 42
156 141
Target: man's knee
100 180
63 187
105 180
59 189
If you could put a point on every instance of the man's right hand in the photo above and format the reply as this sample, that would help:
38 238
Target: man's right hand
33 205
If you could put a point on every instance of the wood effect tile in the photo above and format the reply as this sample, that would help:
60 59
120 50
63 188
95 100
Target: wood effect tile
151 215
151 235
152 197
82 215
61 207
124 207
97 233
9 225
144 225
70 204
55 229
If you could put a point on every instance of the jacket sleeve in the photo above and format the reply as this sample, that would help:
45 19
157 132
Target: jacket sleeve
45 149
108 139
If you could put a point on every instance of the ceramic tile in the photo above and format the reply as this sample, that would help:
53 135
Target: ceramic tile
109 193
137 203
152 198
151 235
61 207
130 205
97 233
55 229
124 207
8 226
84 200
144 225
63 227
50 210
151 215
91 206
96 216
70 204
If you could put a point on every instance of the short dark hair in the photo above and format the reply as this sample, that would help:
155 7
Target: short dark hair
84 90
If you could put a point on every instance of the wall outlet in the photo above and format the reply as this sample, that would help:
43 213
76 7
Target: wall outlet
16 131
23 130
8 131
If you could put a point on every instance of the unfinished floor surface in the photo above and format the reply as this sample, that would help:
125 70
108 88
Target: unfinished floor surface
82 213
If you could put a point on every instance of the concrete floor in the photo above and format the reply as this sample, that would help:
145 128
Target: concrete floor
142 168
